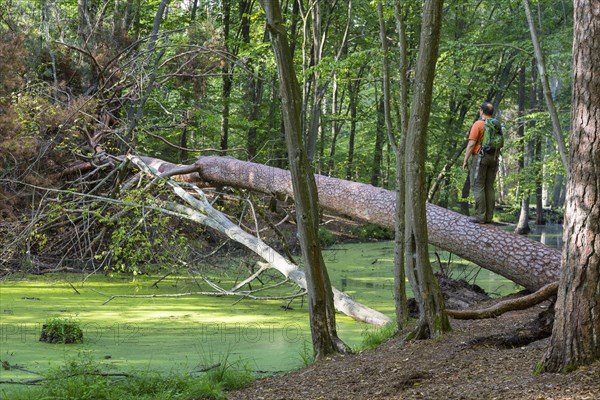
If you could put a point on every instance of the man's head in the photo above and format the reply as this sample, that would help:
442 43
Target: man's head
487 109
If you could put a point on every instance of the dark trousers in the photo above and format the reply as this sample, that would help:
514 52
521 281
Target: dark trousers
483 174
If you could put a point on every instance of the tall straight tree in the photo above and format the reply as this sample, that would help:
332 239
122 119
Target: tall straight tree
556 128
433 320
576 333
320 296
400 300
227 76
522 227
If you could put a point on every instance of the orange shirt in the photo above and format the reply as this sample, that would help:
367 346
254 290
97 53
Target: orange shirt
476 134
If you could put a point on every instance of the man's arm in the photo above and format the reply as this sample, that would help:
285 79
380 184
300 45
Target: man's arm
468 153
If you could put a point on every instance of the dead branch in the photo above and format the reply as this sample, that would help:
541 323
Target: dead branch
200 210
520 303
207 368
263 267
220 293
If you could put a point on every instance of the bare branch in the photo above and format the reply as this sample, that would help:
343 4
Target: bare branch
508 305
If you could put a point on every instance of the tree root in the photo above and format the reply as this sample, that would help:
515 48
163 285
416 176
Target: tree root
520 303
538 329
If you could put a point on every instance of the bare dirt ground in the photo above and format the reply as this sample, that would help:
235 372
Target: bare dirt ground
452 367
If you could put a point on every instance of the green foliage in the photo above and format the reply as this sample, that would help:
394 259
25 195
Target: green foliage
62 330
508 214
374 336
230 375
326 237
538 369
142 237
373 232
82 378
306 355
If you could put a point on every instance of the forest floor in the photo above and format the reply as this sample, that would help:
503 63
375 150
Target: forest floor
455 366
464 364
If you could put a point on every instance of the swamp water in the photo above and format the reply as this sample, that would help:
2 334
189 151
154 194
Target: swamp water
183 334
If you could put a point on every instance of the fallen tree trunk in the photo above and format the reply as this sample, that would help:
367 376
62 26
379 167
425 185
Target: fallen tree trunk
524 261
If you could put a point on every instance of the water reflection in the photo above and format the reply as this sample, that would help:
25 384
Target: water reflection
549 234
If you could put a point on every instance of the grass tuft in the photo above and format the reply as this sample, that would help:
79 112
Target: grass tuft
82 378
374 336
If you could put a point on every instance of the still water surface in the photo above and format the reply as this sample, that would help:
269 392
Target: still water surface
184 334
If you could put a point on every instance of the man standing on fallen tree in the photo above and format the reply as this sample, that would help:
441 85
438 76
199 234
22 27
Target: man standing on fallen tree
484 163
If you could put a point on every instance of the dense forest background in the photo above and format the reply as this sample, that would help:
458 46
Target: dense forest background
87 86
89 81
202 77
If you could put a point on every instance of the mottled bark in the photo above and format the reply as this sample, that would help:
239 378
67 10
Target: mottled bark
400 298
576 332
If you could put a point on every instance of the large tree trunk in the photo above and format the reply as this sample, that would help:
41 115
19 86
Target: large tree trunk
524 261
576 332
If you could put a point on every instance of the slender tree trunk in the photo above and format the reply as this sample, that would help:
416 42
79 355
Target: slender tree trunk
46 22
557 196
275 126
118 21
136 111
227 78
254 83
320 85
84 21
320 295
433 320
400 300
556 127
317 53
523 224
353 104
539 206
194 10
183 139
576 332
376 171
337 125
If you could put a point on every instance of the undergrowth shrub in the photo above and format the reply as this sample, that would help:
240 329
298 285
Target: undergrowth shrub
82 378
373 232
61 330
326 238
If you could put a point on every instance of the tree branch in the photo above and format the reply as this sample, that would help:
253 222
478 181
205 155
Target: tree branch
509 305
